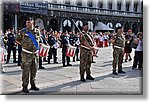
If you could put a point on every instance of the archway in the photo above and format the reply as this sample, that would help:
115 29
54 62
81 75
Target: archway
67 25
79 24
91 26
141 27
135 28
53 24
7 22
110 25
118 25
39 22
126 27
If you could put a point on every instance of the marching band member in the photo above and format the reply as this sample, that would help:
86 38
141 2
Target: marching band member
72 41
42 41
77 44
106 37
65 43
2 51
97 38
101 39
11 46
52 41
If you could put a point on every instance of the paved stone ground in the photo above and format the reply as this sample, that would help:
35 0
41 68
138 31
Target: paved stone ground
56 79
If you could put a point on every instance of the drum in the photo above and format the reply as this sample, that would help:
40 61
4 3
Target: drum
56 46
44 49
70 51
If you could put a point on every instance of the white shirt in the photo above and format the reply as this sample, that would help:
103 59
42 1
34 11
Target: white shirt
139 47
101 38
106 36
97 36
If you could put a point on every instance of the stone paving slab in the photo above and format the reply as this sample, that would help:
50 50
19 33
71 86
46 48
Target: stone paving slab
56 79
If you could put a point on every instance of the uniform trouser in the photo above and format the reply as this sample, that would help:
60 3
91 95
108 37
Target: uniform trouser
40 61
19 57
52 52
9 53
117 58
85 62
29 69
64 57
76 55
138 59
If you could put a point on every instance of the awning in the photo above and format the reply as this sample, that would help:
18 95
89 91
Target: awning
102 27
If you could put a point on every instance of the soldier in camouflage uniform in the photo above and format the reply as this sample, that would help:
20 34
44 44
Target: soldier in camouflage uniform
86 48
29 63
118 42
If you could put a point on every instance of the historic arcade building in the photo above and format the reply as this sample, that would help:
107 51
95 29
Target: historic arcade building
58 14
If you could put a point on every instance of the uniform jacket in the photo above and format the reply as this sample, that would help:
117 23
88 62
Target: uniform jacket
11 39
119 40
25 40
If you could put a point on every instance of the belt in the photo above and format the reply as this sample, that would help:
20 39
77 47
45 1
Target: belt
118 47
29 52
86 48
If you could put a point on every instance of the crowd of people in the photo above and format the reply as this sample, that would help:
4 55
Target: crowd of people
26 44
52 38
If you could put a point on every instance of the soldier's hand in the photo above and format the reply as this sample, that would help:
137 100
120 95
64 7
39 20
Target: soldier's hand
92 48
112 41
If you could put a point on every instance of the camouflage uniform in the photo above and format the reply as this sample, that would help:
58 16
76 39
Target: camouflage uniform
118 51
29 64
85 55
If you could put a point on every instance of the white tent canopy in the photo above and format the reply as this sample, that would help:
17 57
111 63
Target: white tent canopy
102 27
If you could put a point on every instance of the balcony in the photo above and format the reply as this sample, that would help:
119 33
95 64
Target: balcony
91 10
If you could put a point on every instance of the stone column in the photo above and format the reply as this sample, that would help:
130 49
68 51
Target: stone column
16 22
105 4
139 6
114 5
84 3
123 8
61 27
132 6
73 26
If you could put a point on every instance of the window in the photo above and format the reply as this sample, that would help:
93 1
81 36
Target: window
127 6
135 6
90 3
110 5
67 2
54 1
100 4
142 6
118 5
79 3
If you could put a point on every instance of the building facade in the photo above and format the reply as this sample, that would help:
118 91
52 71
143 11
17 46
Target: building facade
58 14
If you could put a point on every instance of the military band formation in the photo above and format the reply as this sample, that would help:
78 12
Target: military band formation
36 46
